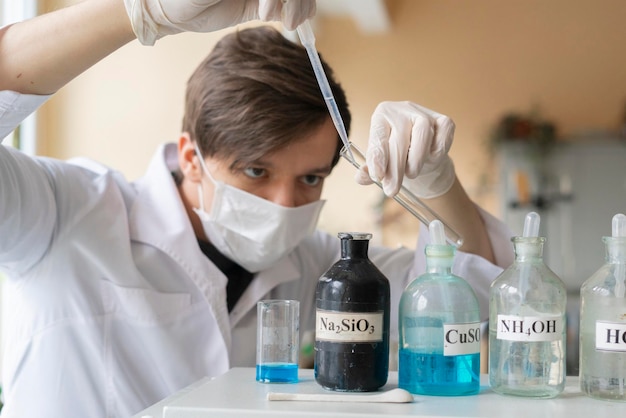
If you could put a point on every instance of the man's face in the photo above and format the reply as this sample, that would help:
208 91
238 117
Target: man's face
292 176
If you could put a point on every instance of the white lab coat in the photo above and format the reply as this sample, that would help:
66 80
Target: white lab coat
111 306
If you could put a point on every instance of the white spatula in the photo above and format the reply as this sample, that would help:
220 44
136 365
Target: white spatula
392 396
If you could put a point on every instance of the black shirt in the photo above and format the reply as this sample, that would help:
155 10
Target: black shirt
238 277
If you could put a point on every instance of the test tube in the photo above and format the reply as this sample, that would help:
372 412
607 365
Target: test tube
406 198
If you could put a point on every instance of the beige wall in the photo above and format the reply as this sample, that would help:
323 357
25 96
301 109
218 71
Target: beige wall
473 60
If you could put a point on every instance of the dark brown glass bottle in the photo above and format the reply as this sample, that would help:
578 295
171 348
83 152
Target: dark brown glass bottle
352 321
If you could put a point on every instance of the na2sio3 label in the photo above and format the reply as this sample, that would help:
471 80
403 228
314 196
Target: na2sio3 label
348 326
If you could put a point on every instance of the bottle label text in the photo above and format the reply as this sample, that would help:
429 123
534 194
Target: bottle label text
610 336
461 339
530 328
348 326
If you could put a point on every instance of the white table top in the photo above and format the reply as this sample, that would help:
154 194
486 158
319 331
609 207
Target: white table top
237 394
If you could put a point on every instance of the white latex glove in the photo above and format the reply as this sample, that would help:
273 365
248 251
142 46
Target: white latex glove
153 19
409 140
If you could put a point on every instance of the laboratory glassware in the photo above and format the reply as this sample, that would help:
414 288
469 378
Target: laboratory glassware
527 304
277 341
352 320
439 327
405 197
603 322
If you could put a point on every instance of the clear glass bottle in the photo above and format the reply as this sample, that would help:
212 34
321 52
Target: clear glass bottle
439 328
352 321
527 306
603 322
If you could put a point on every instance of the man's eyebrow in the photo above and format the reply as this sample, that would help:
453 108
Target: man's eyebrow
322 170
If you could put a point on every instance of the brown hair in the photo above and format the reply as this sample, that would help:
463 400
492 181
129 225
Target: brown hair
255 93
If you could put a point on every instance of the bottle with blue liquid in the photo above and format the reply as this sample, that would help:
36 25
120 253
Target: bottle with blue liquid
527 304
439 327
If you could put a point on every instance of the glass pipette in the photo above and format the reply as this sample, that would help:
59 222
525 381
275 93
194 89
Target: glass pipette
531 230
407 199
619 232
308 41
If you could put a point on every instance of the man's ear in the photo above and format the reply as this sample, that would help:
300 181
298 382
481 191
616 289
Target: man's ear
188 159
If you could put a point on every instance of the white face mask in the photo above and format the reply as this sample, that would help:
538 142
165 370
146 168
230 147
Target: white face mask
252 231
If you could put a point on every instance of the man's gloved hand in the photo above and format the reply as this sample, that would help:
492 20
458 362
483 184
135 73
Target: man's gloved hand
153 19
409 140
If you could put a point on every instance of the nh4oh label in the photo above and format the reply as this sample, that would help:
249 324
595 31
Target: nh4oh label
530 328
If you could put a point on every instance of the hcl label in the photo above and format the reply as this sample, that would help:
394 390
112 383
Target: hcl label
348 326
460 339
530 328
610 336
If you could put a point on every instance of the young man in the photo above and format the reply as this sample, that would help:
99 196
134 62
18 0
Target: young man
122 293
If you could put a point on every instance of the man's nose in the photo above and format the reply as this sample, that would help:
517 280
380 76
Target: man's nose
284 195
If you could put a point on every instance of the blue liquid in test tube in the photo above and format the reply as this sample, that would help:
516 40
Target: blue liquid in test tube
277 373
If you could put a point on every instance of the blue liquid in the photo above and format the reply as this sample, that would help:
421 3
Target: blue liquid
435 374
277 373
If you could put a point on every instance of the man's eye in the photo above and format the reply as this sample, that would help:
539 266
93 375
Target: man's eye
311 180
254 172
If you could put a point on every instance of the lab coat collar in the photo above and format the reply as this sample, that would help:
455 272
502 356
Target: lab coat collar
158 218
285 270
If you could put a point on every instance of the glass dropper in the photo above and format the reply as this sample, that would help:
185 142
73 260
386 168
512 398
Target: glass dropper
405 197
